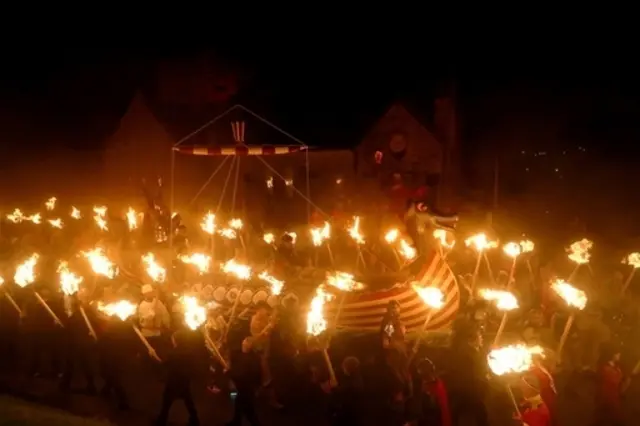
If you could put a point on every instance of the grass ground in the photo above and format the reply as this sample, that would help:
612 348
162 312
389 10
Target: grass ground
15 412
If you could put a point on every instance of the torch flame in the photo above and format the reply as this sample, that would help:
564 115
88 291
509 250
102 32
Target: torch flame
407 251
480 242
242 272
343 281
99 217
194 313
75 213
132 219
17 216
512 359
208 223
154 270
276 284
579 252
56 223
318 235
51 203
269 238
527 246
431 296
100 263
512 250
69 282
200 260
505 301
122 309
354 231
633 259
570 294
391 236
443 236
316 323
228 233
236 224
25 272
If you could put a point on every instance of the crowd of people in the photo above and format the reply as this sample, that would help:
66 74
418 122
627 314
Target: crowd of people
269 356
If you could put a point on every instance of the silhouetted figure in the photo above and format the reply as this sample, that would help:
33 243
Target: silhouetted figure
245 372
180 371
78 348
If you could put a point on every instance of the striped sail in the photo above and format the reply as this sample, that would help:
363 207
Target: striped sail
365 311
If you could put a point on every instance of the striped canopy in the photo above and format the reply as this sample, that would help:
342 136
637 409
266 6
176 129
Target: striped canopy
239 150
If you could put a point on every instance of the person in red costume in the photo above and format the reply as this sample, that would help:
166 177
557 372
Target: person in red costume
608 404
533 411
547 384
434 401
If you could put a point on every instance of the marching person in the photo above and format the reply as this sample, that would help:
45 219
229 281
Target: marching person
468 382
180 371
113 343
79 344
245 373
431 395
261 326
348 397
608 404
533 411
153 317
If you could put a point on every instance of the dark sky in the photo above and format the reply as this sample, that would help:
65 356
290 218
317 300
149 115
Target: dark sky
591 96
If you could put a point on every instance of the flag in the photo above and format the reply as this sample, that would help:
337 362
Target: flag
364 311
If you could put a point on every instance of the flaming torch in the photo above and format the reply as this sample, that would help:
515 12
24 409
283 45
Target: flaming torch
505 301
391 237
276 284
513 250
75 213
199 260
70 284
50 204
574 298
355 234
527 246
242 273
132 219
56 223
25 275
434 299
124 309
579 253
317 324
319 236
237 225
515 359
345 283
99 217
156 272
480 243
208 225
11 299
194 316
445 241
632 259
100 263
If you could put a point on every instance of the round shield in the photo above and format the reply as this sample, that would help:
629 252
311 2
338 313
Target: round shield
246 296
260 296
